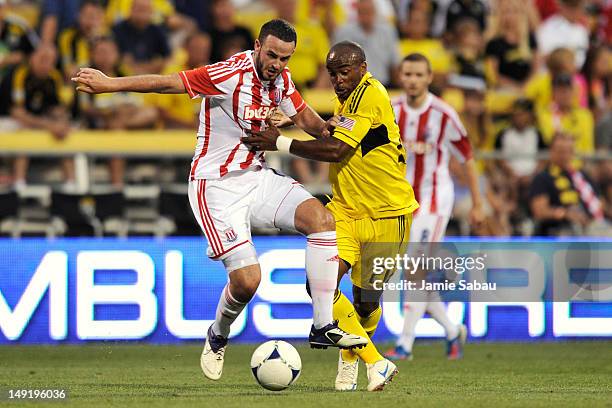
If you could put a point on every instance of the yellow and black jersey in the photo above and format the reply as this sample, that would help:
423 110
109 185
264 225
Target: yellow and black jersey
16 36
37 95
73 48
371 181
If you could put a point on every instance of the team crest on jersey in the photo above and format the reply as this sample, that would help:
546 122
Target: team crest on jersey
278 95
256 112
230 234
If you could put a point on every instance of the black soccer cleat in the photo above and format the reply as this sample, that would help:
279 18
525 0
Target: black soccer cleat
333 336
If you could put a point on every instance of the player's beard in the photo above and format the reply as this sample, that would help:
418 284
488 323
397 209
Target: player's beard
260 70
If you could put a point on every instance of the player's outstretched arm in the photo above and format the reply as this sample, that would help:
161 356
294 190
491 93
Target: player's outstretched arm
93 81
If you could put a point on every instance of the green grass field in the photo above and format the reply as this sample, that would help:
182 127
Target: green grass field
491 375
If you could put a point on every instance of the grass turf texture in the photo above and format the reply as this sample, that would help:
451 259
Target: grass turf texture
137 375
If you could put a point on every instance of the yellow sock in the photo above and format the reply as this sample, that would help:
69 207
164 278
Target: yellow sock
369 324
348 320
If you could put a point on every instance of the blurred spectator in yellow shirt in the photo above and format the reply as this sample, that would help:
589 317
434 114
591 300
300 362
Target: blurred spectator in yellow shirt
307 64
329 14
113 111
560 61
31 94
178 111
416 30
563 116
74 41
17 40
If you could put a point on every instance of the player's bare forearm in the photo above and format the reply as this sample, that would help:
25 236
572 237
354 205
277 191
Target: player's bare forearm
472 178
310 122
170 84
327 149
93 81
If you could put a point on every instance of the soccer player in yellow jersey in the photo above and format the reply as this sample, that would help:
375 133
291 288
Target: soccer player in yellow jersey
372 201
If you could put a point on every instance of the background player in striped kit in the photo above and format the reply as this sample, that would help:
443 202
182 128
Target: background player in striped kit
431 131
231 187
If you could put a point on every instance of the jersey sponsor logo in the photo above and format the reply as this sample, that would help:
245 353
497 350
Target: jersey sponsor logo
420 147
346 123
256 112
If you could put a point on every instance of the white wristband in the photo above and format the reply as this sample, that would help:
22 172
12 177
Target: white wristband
283 143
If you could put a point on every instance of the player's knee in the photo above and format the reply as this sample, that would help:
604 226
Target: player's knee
365 309
244 272
244 285
312 217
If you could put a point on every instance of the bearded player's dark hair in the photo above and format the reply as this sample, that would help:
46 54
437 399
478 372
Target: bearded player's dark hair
278 28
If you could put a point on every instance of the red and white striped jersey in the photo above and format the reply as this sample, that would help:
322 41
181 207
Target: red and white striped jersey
234 100
430 134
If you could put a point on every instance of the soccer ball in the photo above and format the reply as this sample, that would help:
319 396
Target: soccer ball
276 365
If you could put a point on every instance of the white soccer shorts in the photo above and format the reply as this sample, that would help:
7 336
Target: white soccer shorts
428 227
226 208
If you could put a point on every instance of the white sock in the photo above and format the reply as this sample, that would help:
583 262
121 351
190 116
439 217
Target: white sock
437 310
228 310
322 274
413 311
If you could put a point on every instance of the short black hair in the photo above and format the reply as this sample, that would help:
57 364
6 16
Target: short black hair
417 57
278 28
523 104
349 48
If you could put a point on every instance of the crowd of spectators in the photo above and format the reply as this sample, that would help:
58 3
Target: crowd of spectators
527 76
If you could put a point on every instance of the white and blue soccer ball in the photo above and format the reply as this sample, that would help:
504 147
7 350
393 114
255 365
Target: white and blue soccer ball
276 365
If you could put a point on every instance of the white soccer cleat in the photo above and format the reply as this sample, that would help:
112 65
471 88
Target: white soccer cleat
211 360
346 379
380 374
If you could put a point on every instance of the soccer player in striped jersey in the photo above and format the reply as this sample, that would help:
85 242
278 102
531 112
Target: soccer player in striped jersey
431 131
230 186
372 200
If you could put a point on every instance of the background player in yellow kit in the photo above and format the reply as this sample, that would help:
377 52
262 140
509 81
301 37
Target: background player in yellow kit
372 201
